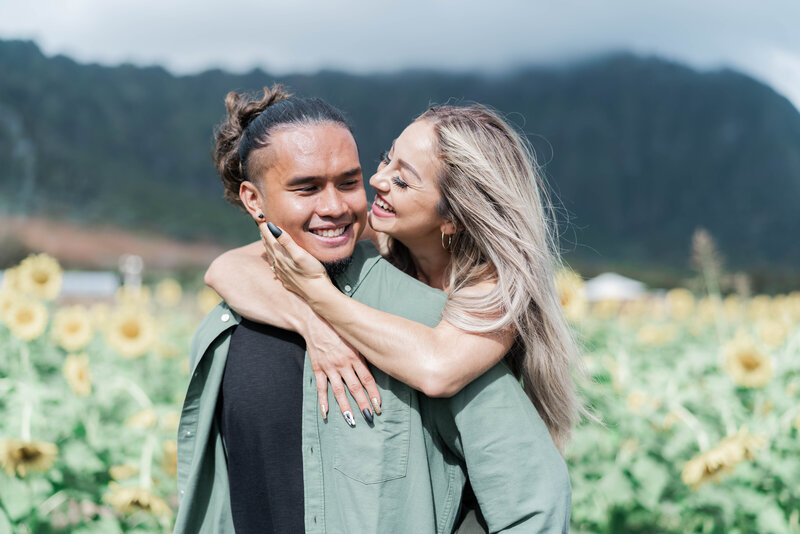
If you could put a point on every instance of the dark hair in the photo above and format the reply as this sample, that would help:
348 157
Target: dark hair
250 122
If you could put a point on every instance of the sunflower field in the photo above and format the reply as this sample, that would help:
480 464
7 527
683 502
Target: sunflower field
698 397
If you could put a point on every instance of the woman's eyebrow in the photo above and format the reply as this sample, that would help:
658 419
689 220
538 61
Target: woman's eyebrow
405 165
411 169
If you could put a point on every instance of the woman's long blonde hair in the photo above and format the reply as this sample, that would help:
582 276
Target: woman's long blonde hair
505 231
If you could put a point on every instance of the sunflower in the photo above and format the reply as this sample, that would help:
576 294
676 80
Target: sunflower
656 334
168 349
26 318
10 280
23 457
748 366
146 418
100 312
169 462
130 500
123 471
681 303
718 461
759 307
707 309
130 296
168 292
772 333
7 299
732 307
170 421
39 275
570 289
72 328
606 308
79 376
639 402
131 332
207 298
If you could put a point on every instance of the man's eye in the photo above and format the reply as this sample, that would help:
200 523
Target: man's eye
308 189
396 180
350 183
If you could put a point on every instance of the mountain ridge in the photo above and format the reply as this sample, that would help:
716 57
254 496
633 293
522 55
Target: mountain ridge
639 151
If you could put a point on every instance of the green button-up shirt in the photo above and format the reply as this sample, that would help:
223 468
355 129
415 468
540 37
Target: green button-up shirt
406 473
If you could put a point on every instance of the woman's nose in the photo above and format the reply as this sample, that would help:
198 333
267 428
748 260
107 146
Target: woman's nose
379 181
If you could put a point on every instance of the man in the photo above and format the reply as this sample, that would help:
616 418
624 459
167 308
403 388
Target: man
252 395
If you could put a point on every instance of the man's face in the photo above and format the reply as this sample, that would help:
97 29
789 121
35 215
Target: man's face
313 189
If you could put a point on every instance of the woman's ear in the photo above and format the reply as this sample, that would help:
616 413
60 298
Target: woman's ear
251 199
448 227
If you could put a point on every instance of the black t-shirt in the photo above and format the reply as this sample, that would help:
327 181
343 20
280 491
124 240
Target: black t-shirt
260 413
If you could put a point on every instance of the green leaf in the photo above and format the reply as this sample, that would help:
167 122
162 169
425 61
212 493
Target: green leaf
615 487
652 477
16 497
772 520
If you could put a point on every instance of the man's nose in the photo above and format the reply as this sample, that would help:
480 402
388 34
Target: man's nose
331 203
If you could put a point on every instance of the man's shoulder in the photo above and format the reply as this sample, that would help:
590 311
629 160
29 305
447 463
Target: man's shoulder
382 286
382 269
216 322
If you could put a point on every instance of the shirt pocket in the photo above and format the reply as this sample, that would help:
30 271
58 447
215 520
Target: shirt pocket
372 454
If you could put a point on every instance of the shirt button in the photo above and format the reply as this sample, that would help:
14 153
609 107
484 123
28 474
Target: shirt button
182 492
225 317
188 433
347 288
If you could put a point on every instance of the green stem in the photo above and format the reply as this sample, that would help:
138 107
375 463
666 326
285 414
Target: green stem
146 463
136 392
691 421
27 415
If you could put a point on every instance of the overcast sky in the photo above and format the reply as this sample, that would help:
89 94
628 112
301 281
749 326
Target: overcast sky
759 38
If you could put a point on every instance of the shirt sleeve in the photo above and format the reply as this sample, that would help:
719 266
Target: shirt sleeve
519 478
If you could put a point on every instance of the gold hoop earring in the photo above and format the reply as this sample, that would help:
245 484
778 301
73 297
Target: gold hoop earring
449 241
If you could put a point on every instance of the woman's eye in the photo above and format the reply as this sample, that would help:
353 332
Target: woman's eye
399 182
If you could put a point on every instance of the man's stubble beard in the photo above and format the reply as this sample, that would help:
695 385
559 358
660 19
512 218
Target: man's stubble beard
337 267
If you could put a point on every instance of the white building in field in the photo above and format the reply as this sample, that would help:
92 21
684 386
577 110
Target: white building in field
86 285
613 286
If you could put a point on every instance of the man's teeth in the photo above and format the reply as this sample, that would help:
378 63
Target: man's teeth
330 233
383 205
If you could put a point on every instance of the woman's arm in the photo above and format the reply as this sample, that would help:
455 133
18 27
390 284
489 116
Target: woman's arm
437 361
242 277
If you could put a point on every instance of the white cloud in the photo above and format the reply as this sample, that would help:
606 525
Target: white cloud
385 35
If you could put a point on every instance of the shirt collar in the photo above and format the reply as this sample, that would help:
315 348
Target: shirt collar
364 258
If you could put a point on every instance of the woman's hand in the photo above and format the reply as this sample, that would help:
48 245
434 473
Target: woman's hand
331 357
298 271
334 359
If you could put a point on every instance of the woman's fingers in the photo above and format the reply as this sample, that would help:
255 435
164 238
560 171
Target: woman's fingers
340 394
322 392
357 391
368 381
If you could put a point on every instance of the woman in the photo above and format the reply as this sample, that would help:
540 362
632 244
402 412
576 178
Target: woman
460 206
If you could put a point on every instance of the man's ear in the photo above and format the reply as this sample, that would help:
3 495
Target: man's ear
252 200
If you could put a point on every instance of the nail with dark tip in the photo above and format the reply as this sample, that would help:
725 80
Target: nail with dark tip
274 230
367 415
348 416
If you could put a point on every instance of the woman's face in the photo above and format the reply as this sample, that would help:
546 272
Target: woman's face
406 190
